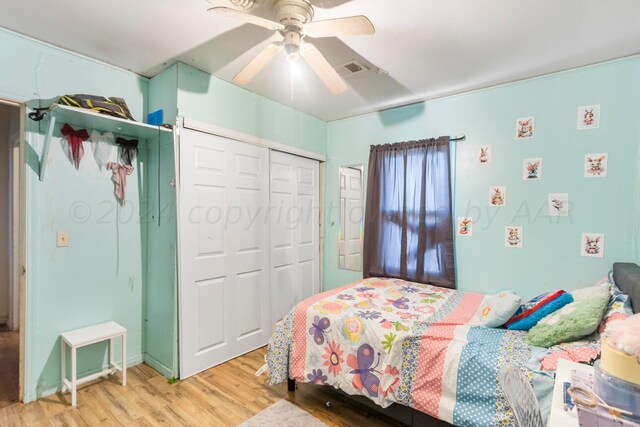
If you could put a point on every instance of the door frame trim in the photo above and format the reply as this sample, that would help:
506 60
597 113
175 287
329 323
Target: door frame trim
249 139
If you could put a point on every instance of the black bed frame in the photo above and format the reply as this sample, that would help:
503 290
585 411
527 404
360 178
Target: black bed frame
404 414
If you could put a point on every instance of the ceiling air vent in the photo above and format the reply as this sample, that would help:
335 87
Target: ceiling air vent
352 68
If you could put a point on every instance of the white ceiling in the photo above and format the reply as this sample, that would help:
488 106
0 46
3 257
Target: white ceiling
429 48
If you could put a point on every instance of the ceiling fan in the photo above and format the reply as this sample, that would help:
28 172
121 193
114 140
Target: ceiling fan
293 19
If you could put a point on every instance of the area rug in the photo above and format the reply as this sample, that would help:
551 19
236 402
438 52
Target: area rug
283 414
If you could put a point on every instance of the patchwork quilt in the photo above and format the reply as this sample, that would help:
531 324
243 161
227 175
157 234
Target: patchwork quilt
395 341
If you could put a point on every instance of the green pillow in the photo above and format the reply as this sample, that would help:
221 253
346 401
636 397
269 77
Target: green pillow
573 321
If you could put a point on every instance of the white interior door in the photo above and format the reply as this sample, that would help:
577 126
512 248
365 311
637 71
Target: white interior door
351 211
295 234
223 250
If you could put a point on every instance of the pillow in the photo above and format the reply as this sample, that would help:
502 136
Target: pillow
496 309
619 307
533 311
573 321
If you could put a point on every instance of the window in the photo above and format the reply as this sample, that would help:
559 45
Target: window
408 226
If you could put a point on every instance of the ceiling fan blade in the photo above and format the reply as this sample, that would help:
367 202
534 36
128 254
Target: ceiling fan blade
349 26
247 17
257 64
323 69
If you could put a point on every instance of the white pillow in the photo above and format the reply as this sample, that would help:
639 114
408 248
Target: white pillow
496 309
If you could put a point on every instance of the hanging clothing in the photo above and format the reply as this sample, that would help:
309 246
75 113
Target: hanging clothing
73 147
127 150
119 178
102 147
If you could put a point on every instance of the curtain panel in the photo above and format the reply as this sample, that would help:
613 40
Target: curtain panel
408 219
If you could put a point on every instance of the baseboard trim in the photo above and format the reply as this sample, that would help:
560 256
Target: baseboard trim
158 366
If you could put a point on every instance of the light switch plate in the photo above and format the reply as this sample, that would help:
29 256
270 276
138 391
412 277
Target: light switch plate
63 239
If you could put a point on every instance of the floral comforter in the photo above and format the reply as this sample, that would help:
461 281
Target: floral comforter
395 341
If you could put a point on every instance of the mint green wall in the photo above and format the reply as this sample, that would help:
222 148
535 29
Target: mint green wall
161 313
207 99
99 277
161 331
163 93
550 258
102 275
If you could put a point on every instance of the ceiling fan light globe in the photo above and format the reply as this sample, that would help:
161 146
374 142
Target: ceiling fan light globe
294 66
293 57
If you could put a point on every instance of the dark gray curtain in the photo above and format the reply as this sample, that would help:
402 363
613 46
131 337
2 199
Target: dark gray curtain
408 226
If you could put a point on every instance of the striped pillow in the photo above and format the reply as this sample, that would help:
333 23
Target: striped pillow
530 313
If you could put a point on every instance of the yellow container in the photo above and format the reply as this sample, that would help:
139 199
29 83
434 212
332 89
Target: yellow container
619 364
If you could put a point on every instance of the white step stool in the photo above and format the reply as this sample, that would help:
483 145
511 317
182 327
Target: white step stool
87 336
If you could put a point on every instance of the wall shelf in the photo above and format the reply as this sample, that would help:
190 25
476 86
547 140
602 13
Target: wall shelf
80 118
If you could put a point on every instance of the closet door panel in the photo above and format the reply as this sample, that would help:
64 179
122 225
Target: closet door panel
295 250
223 253
282 291
251 242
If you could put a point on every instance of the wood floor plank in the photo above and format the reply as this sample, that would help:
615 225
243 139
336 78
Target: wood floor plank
33 415
225 395
9 357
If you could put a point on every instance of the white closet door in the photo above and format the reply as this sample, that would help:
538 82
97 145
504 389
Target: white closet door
223 250
295 218
351 210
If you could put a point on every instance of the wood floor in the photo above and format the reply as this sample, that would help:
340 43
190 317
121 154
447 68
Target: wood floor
226 395
9 355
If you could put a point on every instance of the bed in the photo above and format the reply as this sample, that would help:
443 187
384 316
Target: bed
399 342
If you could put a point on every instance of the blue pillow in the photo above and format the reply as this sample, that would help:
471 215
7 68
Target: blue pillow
529 314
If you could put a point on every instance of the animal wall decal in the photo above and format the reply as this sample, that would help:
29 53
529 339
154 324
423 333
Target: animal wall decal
465 226
596 165
592 245
498 196
558 204
532 169
485 155
525 128
589 117
513 237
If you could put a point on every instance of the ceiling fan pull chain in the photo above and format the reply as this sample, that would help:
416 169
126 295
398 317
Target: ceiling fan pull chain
291 80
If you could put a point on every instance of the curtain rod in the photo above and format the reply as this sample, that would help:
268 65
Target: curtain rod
458 138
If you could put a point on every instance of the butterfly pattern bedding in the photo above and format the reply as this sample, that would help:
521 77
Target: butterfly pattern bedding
395 341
